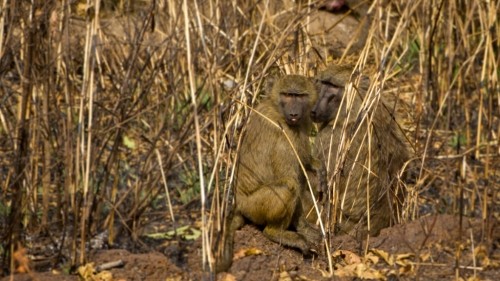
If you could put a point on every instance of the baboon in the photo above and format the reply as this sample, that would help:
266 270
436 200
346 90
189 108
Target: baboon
334 27
362 148
359 7
269 179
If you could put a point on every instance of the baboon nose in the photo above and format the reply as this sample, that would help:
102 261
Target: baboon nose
293 118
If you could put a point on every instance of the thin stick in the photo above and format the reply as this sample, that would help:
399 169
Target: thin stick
192 92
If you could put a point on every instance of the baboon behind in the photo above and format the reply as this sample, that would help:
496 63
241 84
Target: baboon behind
362 148
358 9
269 179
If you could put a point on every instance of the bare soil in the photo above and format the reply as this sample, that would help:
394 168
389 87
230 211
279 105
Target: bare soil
431 248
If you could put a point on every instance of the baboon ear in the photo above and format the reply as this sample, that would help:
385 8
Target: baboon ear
269 83
318 86
364 82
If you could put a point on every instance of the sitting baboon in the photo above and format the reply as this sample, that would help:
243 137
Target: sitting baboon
363 150
269 179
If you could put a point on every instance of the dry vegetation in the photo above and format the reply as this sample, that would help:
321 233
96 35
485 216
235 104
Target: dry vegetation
113 111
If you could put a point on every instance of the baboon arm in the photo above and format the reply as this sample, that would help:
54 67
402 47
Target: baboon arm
316 173
285 170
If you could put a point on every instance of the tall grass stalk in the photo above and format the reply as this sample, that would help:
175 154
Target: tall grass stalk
206 257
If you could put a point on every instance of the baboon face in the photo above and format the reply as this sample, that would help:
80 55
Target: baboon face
333 98
329 100
294 106
294 95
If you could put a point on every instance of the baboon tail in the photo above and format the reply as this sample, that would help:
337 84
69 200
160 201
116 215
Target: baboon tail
233 222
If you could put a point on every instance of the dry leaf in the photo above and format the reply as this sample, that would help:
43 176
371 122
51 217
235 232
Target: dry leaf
370 273
241 253
425 256
392 272
389 259
285 276
371 258
86 271
174 278
22 260
226 277
359 270
346 271
348 256
103 276
404 259
407 269
481 254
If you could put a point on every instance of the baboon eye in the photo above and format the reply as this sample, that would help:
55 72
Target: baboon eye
328 83
331 96
331 85
331 90
291 95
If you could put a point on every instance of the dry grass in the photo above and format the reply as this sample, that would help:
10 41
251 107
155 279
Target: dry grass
107 110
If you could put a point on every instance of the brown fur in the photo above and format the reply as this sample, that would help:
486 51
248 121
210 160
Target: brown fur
269 179
357 8
361 175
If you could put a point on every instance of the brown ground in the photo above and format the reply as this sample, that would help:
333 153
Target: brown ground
433 239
